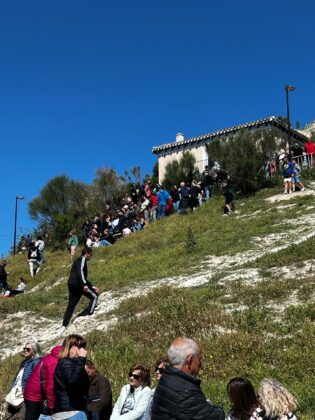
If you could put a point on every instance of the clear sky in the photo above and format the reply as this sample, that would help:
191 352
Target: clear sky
87 84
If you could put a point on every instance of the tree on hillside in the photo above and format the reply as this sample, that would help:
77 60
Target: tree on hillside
179 170
108 187
155 173
61 203
136 172
244 154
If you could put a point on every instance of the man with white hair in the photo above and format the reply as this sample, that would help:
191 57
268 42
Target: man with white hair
178 394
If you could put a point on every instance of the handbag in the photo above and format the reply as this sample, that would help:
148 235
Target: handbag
15 396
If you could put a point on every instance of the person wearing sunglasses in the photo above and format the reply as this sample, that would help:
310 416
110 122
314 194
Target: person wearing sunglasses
31 353
71 382
159 369
135 396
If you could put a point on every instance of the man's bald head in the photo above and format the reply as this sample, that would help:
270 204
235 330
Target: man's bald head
184 354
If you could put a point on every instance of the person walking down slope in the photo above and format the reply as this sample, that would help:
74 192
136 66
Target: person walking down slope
34 259
78 285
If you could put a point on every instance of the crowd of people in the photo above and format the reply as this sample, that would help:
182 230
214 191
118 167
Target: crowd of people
147 203
64 384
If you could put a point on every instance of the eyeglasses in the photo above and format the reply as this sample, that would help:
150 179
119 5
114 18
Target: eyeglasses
160 370
132 375
27 349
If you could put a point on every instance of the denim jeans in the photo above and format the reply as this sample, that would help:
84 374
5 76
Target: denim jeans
208 191
153 213
161 212
176 206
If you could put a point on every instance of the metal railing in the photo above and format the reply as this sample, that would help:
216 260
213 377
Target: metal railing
201 164
305 161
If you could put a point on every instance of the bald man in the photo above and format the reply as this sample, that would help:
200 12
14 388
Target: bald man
178 394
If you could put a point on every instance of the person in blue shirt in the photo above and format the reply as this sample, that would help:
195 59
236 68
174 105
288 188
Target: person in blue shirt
162 197
287 172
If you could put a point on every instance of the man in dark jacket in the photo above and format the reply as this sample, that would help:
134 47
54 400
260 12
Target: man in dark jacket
100 394
178 394
78 285
3 276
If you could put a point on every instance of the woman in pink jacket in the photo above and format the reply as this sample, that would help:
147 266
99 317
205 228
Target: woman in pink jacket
38 392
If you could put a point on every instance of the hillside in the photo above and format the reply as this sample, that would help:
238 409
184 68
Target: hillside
246 292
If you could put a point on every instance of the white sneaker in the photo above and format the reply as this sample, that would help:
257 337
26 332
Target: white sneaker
285 192
303 189
290 192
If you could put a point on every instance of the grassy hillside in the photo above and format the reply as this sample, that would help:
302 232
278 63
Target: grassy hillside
251 305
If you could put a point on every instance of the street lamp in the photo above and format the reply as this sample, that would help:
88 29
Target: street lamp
288 88
18 197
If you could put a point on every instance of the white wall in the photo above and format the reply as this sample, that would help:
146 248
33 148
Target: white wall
166 157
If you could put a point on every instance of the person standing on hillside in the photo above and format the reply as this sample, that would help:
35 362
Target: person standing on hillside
309 147
162 197
34 259
3 276
40 245
72 243
78 285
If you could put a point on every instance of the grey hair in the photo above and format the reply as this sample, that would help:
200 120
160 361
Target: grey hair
36 348
178 352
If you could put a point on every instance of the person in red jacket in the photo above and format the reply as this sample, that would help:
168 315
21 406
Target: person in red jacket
309 147
39 388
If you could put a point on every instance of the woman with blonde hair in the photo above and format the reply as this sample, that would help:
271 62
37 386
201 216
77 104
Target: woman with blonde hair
71 382
276 402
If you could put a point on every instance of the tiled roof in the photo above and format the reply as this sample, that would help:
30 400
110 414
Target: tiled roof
266 121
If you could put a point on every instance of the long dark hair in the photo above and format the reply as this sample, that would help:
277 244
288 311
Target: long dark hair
243 398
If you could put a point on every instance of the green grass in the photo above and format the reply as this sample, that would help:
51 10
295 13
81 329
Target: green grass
244 329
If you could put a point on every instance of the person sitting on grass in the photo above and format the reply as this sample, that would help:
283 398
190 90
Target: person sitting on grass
243 399
99 403
135 396
276 402
21 288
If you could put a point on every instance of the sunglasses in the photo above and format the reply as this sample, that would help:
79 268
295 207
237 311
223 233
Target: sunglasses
160 370
136 377
27 349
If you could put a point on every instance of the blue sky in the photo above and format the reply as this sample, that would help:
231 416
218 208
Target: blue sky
87 84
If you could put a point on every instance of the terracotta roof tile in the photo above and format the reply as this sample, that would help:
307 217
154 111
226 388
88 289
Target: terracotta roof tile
265 121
